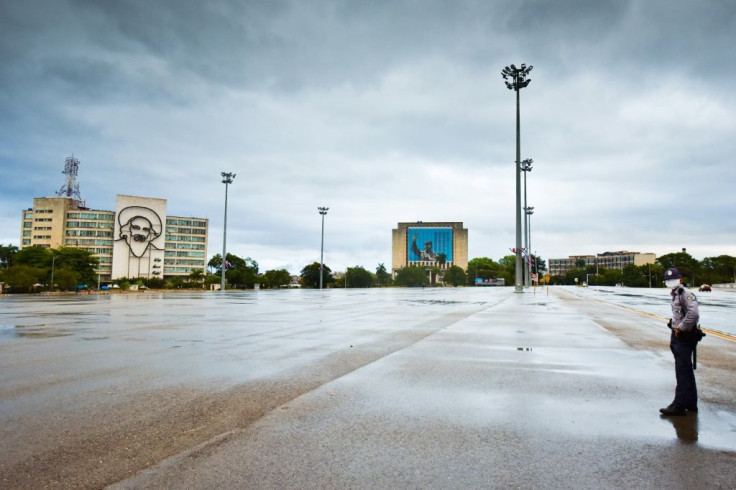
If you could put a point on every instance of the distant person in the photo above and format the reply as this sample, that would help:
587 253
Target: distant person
683 340
426 254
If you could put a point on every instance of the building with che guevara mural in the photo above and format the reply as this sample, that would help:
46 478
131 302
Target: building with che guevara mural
429 244
138 239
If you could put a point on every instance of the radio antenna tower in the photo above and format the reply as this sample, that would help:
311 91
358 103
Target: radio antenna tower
71 188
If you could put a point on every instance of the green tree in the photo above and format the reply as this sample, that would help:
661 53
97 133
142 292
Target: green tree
82 262
196 275
65 279
685 263
720 269
215 264
508 262
155 283
310 276
383 277
358 277
22 277
35 256
454 275
241 273
411 276
276 278
485 268
635 276
610 277
6 255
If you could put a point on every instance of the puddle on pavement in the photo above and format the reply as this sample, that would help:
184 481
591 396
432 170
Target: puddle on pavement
39 331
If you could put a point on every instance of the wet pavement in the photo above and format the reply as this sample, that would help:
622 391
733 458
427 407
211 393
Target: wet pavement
380 388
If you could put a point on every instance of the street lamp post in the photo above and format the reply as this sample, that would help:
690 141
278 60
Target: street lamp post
323 212
518 81
526 166
227 179
53 261
528 221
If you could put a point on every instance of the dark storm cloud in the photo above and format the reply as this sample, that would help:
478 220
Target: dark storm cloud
384 111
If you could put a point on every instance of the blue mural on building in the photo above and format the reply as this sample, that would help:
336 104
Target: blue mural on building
426 244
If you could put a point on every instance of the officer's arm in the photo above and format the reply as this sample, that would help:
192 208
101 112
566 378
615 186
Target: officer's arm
691 312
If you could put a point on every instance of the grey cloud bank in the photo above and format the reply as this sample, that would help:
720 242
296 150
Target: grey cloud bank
385 112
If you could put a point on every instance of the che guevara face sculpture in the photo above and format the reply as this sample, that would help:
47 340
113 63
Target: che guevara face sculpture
139 227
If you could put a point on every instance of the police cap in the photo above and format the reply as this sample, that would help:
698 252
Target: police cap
672 273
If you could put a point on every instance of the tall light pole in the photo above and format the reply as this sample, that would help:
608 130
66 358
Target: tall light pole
323 212
529 211
53 260
227 179
526 166
518 81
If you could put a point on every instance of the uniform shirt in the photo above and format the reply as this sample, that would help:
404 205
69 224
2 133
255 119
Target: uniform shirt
685 313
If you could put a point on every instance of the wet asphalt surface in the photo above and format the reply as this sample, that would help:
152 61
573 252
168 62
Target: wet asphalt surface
381 388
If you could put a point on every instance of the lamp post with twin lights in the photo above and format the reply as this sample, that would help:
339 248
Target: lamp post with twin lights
526 167
227 179
323 212
516 79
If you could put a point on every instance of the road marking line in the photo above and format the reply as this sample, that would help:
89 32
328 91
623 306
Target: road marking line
715 333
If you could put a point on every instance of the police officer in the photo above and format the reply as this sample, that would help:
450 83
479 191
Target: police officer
682 343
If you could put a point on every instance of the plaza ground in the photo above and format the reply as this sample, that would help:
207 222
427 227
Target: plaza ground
377 388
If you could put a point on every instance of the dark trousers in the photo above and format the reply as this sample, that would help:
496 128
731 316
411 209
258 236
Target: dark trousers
686 393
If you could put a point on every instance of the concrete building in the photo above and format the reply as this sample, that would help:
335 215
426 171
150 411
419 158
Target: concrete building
54 222
424 244
605 260
138 239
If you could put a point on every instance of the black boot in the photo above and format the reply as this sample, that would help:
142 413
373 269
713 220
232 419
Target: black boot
673 410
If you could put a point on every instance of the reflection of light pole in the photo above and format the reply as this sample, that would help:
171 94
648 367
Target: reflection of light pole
529 211
526 166
227 178
323 212
518 81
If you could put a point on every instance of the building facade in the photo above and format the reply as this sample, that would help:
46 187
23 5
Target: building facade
431 244
138 239
605 260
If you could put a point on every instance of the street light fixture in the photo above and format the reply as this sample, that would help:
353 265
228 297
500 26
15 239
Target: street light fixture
323 212
526 166
227 179
518 80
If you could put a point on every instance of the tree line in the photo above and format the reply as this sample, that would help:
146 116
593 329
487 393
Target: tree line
39 268
710 270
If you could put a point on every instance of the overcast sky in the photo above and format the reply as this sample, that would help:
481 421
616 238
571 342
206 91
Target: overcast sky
385 112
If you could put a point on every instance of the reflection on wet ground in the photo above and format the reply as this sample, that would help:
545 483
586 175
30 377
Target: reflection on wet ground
686 428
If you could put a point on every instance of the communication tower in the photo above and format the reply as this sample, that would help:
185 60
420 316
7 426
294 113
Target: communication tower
71 187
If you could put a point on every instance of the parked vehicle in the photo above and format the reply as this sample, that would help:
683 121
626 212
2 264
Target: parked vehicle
704 287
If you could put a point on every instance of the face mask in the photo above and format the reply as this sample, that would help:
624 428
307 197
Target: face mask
670 283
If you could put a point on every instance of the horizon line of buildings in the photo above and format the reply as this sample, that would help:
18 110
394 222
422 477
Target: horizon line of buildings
140 239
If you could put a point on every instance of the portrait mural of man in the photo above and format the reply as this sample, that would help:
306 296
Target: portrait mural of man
139 227
427 244
139 240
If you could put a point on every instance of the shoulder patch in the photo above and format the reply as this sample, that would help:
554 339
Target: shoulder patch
690 297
